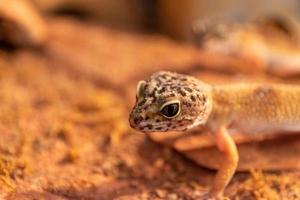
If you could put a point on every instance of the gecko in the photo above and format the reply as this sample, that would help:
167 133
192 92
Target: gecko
170 101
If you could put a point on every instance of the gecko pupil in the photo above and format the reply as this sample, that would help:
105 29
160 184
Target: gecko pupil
170 110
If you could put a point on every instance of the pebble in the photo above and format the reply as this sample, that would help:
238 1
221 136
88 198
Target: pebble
160 193
172 196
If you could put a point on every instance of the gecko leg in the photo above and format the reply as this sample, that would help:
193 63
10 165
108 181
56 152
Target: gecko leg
227 146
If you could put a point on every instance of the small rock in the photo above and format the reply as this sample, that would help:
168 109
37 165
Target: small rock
172 196
160 193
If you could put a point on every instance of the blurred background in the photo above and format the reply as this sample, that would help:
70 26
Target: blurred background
68 74
174 18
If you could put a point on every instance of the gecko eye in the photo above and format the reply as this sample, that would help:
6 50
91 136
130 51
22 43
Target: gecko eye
170 109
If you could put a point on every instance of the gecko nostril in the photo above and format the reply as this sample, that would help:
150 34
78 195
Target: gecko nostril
137 120
134 122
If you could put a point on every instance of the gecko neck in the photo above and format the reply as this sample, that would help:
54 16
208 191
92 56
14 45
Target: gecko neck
222 106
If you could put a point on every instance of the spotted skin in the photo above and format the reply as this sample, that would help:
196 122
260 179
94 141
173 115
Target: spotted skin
263 107
247 108
163 87
256 108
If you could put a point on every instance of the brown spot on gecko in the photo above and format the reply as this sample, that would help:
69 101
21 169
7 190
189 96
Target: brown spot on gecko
187 104
183 79
162 90
154 99
264 90
181 92
188 89
181 124
265 94
142 102
137 120
164 76
149 126
193 98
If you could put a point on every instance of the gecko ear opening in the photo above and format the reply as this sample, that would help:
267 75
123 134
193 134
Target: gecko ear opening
140 88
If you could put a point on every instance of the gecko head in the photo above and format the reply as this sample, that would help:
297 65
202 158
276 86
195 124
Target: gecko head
170 102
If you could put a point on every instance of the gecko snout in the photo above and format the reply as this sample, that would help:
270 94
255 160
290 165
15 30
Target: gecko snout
135 120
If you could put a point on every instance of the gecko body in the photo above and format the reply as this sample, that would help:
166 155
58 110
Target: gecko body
174 102
256 108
